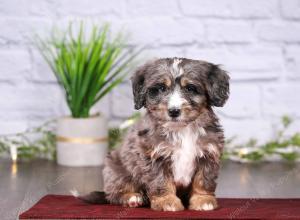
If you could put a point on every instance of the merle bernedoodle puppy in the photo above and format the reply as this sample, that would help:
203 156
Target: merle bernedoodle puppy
170 157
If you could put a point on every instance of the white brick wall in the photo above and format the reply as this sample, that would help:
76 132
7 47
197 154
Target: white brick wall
258 42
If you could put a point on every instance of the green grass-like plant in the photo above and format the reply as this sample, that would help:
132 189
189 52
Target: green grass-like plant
87 69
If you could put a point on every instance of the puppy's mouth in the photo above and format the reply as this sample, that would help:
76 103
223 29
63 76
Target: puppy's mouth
164 119
175 122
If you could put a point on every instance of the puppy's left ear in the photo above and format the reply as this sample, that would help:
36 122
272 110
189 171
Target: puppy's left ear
218 85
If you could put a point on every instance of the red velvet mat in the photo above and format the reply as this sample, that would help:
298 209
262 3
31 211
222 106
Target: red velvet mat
68 207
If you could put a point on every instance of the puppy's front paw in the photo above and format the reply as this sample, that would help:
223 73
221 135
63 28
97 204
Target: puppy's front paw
132 200
167 203
203 202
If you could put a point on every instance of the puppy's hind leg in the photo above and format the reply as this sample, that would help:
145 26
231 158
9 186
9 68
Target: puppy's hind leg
119 186
121 190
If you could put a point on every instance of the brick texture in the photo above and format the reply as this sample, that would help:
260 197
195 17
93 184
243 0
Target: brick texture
257 42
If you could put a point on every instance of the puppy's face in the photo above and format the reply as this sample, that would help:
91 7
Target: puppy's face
176 91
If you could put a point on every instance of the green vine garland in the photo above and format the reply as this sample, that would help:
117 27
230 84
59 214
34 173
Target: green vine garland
39 142
282 146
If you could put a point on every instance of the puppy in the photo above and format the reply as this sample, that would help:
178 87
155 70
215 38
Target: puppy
170 158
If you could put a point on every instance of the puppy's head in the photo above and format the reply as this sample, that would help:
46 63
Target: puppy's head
177 90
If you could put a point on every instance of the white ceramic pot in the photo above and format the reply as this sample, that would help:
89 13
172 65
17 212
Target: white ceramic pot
82 141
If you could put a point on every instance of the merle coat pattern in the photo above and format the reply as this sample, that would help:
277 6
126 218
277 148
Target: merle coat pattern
170 157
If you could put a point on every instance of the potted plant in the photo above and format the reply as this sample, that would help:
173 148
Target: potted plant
87 67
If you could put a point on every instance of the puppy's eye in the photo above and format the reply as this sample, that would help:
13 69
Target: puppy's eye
162 87
155 90
191 88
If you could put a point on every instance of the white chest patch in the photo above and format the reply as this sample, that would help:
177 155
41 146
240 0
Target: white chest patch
184 155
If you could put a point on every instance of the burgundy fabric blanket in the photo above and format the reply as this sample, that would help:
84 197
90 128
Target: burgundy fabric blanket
68 207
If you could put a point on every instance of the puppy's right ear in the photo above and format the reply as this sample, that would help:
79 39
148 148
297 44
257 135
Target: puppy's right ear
138 87
218 85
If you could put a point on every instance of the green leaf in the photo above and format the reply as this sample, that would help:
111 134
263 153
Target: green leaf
254 156
290 156
295 139
286 121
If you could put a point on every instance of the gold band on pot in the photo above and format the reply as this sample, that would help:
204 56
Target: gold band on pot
81 140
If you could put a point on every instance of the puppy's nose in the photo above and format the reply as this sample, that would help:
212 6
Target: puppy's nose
174 112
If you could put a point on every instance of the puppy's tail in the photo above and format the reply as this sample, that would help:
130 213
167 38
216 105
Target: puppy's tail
95 197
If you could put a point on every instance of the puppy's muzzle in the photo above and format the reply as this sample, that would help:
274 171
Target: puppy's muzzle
174 112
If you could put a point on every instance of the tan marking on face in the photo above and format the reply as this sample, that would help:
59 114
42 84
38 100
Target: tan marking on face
190 112
184 81
186 107
168 82
159 109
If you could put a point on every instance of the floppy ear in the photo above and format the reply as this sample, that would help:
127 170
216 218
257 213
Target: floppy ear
218 86
138 87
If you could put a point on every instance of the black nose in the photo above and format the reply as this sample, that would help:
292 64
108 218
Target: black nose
174 112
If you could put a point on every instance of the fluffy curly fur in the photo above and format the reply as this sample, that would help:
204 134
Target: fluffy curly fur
170 158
